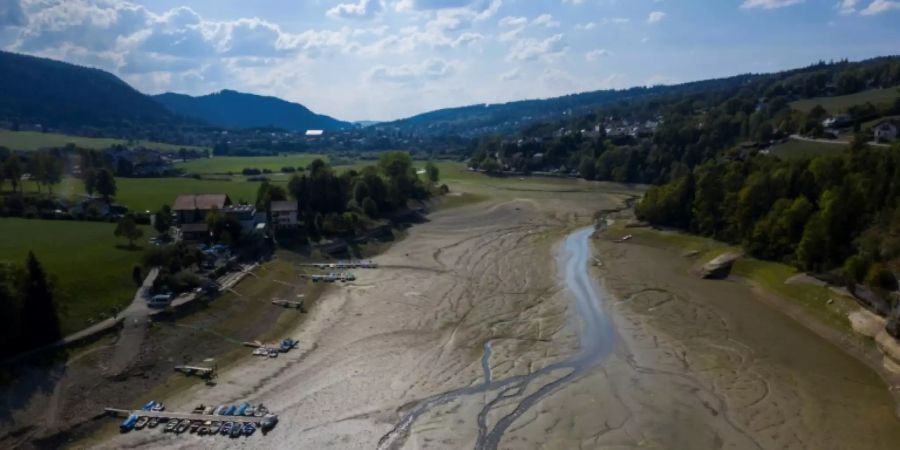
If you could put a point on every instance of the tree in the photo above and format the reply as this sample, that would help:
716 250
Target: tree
162 220
90 181
12 169
432 171
38 309
128 229
50 169
369 207
106 184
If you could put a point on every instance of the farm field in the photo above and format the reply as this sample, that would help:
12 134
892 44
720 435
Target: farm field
797 149
92 271
235 164
140 194
842 102
33 140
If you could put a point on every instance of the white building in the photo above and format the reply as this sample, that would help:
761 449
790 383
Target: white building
885 131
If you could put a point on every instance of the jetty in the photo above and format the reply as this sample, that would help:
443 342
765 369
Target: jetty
116 412
344 265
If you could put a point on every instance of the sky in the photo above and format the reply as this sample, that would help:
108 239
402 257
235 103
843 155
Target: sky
388 59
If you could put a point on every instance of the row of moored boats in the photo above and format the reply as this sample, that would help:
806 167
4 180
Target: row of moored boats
216 420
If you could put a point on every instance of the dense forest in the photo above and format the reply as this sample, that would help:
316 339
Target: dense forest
832 213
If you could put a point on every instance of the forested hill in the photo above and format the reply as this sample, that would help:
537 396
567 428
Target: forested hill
476 120
61 95
232 109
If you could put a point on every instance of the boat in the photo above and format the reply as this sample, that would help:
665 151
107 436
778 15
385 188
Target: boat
148 406
128 424
141 423
171 426
195 425
157 406
260 352
203 430
226 428
199 409
287 345
230 411
249 429
154 422
261 411
219 409
268 422
242 409
215 427
273 353
250 412
236 430
209 410
183 426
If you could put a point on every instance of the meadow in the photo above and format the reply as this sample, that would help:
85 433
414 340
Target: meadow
149 194
90 266
798 149
840 103
235 164
33 140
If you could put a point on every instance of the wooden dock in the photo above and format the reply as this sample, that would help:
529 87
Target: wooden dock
181 416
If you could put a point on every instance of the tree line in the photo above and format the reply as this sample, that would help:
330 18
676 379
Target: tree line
28 316
834 213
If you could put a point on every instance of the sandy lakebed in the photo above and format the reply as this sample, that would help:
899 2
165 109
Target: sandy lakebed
471 335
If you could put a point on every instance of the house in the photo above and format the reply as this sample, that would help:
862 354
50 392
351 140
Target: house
284 214
193 208
838 121
245 214
885 131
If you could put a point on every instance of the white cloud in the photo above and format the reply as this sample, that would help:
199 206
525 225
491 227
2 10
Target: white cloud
545 20
430 69
656 17
512 21
768 4
880 6
511 75
596 55
847 6
586 26
364 9
530 49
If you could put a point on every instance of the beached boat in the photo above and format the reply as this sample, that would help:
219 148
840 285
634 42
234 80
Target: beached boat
215 427
128 424
236 430
195 425
158 407
268 422
249 429
183 426
242 409
170 427
141 423
148 406
154 422
226 428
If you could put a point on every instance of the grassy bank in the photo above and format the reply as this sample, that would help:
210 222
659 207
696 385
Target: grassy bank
770 276
91 269
797 149
33 140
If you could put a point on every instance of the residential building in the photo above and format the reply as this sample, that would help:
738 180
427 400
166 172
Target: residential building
885 131
193 208
284 214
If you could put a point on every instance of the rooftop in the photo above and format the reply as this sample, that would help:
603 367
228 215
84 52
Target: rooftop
190 202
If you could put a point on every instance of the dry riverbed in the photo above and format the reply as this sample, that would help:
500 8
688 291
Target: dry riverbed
467 337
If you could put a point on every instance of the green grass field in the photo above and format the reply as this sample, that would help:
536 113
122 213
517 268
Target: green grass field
797 149
235 164
93 275
141 194
841 103
32 140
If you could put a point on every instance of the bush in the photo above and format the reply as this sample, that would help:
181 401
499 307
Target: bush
249 171
288 169
880 277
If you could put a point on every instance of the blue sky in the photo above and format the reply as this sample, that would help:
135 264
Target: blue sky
386 59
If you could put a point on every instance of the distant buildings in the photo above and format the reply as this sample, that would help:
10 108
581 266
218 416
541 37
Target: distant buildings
191 211
838 121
